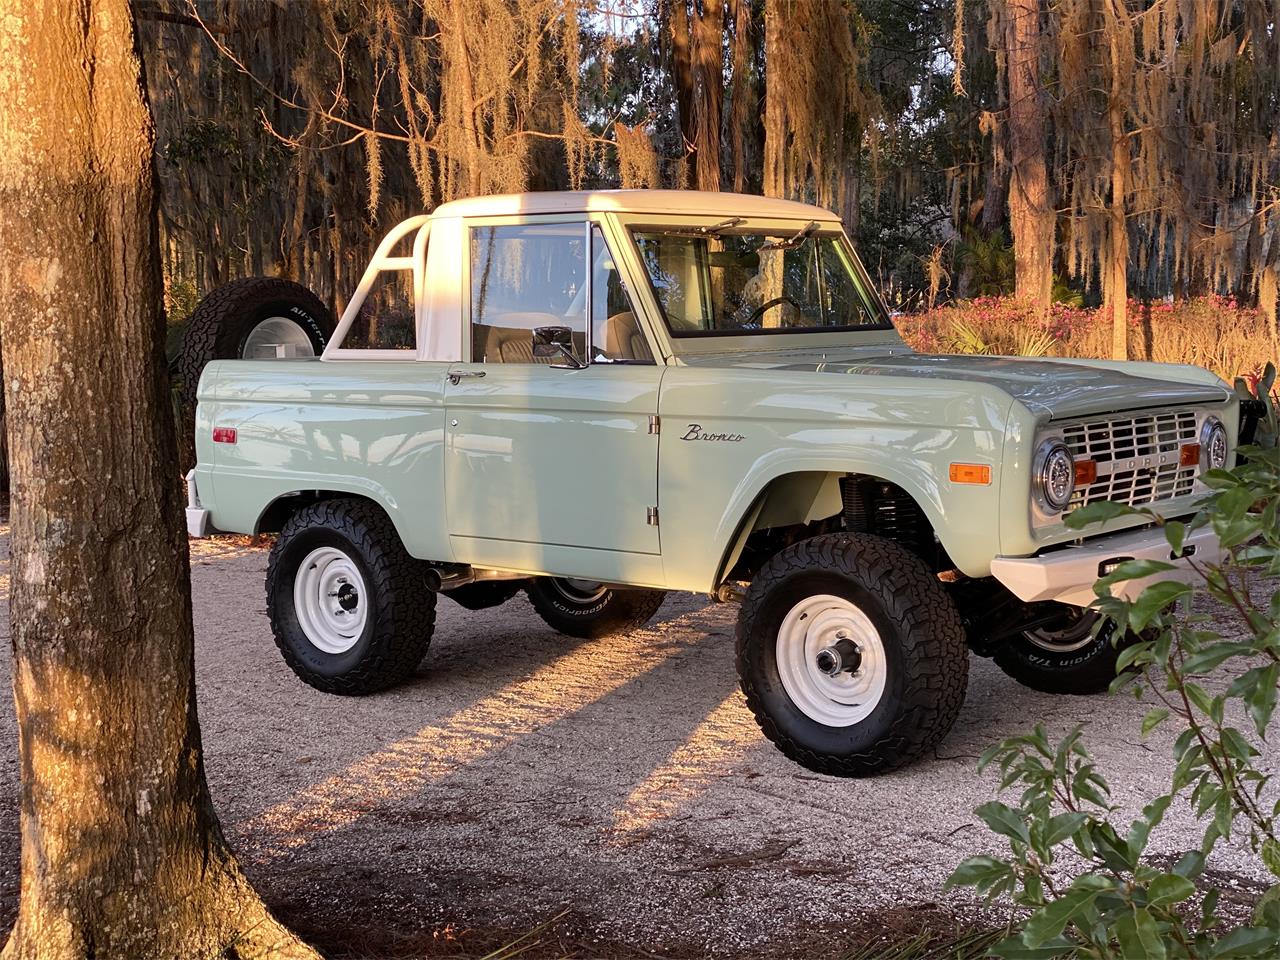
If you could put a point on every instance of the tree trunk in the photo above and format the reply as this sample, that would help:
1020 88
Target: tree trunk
1116 283
697 69
122 855
1031 217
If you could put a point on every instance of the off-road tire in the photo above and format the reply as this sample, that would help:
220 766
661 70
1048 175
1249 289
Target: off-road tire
614 611
223 320
485 594
1088 670
924 644
402 611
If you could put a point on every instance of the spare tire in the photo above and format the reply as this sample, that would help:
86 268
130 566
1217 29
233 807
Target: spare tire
253 318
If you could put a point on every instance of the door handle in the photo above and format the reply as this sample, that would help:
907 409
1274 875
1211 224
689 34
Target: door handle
456 376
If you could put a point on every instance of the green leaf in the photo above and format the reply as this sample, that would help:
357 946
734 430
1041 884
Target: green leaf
1270 899
1100 513
1149 935
1154 599
1063 826
976 871
1175 531
1190 865
1049 921
1247 942
1005 820
1271 857
1169 888
1213 656
1153 719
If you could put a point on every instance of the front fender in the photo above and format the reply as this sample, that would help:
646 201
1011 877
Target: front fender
904 432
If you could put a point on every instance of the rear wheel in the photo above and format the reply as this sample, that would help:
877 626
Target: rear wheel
587 609
1077 655
851 655
349 608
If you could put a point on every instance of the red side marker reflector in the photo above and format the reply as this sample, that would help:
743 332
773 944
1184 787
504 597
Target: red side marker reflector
979 473
224 434
1189 455
1086 472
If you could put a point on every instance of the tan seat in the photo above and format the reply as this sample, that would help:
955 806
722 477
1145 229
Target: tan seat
623 339
512 342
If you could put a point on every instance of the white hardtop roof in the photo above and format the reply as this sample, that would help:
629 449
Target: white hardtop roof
667 202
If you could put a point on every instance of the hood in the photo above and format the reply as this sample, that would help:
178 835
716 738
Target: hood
1058 388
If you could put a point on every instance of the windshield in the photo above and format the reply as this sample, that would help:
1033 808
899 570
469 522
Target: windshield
713 283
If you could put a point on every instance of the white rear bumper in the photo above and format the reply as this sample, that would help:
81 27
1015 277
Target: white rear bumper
1068 575
197 517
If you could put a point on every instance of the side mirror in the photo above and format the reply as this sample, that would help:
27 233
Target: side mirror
551 342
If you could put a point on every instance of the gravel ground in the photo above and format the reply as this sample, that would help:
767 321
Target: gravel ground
523 773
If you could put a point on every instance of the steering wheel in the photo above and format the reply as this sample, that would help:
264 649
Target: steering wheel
768 305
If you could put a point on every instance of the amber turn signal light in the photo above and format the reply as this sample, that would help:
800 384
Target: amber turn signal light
1086 472
970 473
1189 455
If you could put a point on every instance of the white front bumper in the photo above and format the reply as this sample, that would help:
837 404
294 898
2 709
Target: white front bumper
1068 575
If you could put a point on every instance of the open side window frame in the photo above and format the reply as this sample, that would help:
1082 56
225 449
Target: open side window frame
381 262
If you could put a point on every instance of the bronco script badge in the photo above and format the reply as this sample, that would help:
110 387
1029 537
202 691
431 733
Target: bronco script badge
695 433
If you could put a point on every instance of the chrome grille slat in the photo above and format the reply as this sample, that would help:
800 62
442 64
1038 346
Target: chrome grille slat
1113 442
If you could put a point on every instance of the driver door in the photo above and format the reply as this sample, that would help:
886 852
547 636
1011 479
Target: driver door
549 459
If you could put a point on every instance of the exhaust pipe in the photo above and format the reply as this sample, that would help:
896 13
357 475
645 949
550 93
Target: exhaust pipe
443 578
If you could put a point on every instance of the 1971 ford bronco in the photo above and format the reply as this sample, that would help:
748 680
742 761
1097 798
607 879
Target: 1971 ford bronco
598 397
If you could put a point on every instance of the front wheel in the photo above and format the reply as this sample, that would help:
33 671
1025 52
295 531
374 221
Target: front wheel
851 655
349 607
586 609
1077 655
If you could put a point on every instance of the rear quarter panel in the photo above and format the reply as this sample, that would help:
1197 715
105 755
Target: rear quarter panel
372 428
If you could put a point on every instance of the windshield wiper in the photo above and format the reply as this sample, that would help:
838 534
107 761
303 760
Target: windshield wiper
808 230
710 230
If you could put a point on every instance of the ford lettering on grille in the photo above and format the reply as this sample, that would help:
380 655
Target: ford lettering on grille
1137 457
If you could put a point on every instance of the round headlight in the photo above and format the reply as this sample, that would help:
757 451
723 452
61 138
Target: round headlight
1213 444
1055 475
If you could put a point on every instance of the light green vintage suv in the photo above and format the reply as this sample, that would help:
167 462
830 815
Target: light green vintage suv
599 397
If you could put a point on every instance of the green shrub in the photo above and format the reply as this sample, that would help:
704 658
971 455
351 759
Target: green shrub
1122 904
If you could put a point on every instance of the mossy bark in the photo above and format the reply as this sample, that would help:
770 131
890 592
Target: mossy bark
122 854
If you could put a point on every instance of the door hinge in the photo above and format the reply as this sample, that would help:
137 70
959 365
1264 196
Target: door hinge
652 516
655 425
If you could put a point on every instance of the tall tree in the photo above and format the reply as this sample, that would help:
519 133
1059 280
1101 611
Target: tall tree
122 855
1031 214
697 67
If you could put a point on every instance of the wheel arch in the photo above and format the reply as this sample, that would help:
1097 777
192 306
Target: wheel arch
276 513
803 496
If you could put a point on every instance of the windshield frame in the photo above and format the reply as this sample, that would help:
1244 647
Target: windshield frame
766 227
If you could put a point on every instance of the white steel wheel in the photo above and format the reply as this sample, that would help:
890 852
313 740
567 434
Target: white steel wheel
1076 635
330 599
277 338
831 660
583 592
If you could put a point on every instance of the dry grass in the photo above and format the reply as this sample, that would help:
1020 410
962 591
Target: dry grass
1212 332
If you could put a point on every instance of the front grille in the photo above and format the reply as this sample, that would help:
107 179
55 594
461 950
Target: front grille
1137 457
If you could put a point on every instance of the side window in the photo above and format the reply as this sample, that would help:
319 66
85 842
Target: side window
616 336
525 277
385 320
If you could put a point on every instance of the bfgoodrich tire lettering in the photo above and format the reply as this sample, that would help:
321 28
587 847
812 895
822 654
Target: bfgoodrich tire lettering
400 614
577 609
924 652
